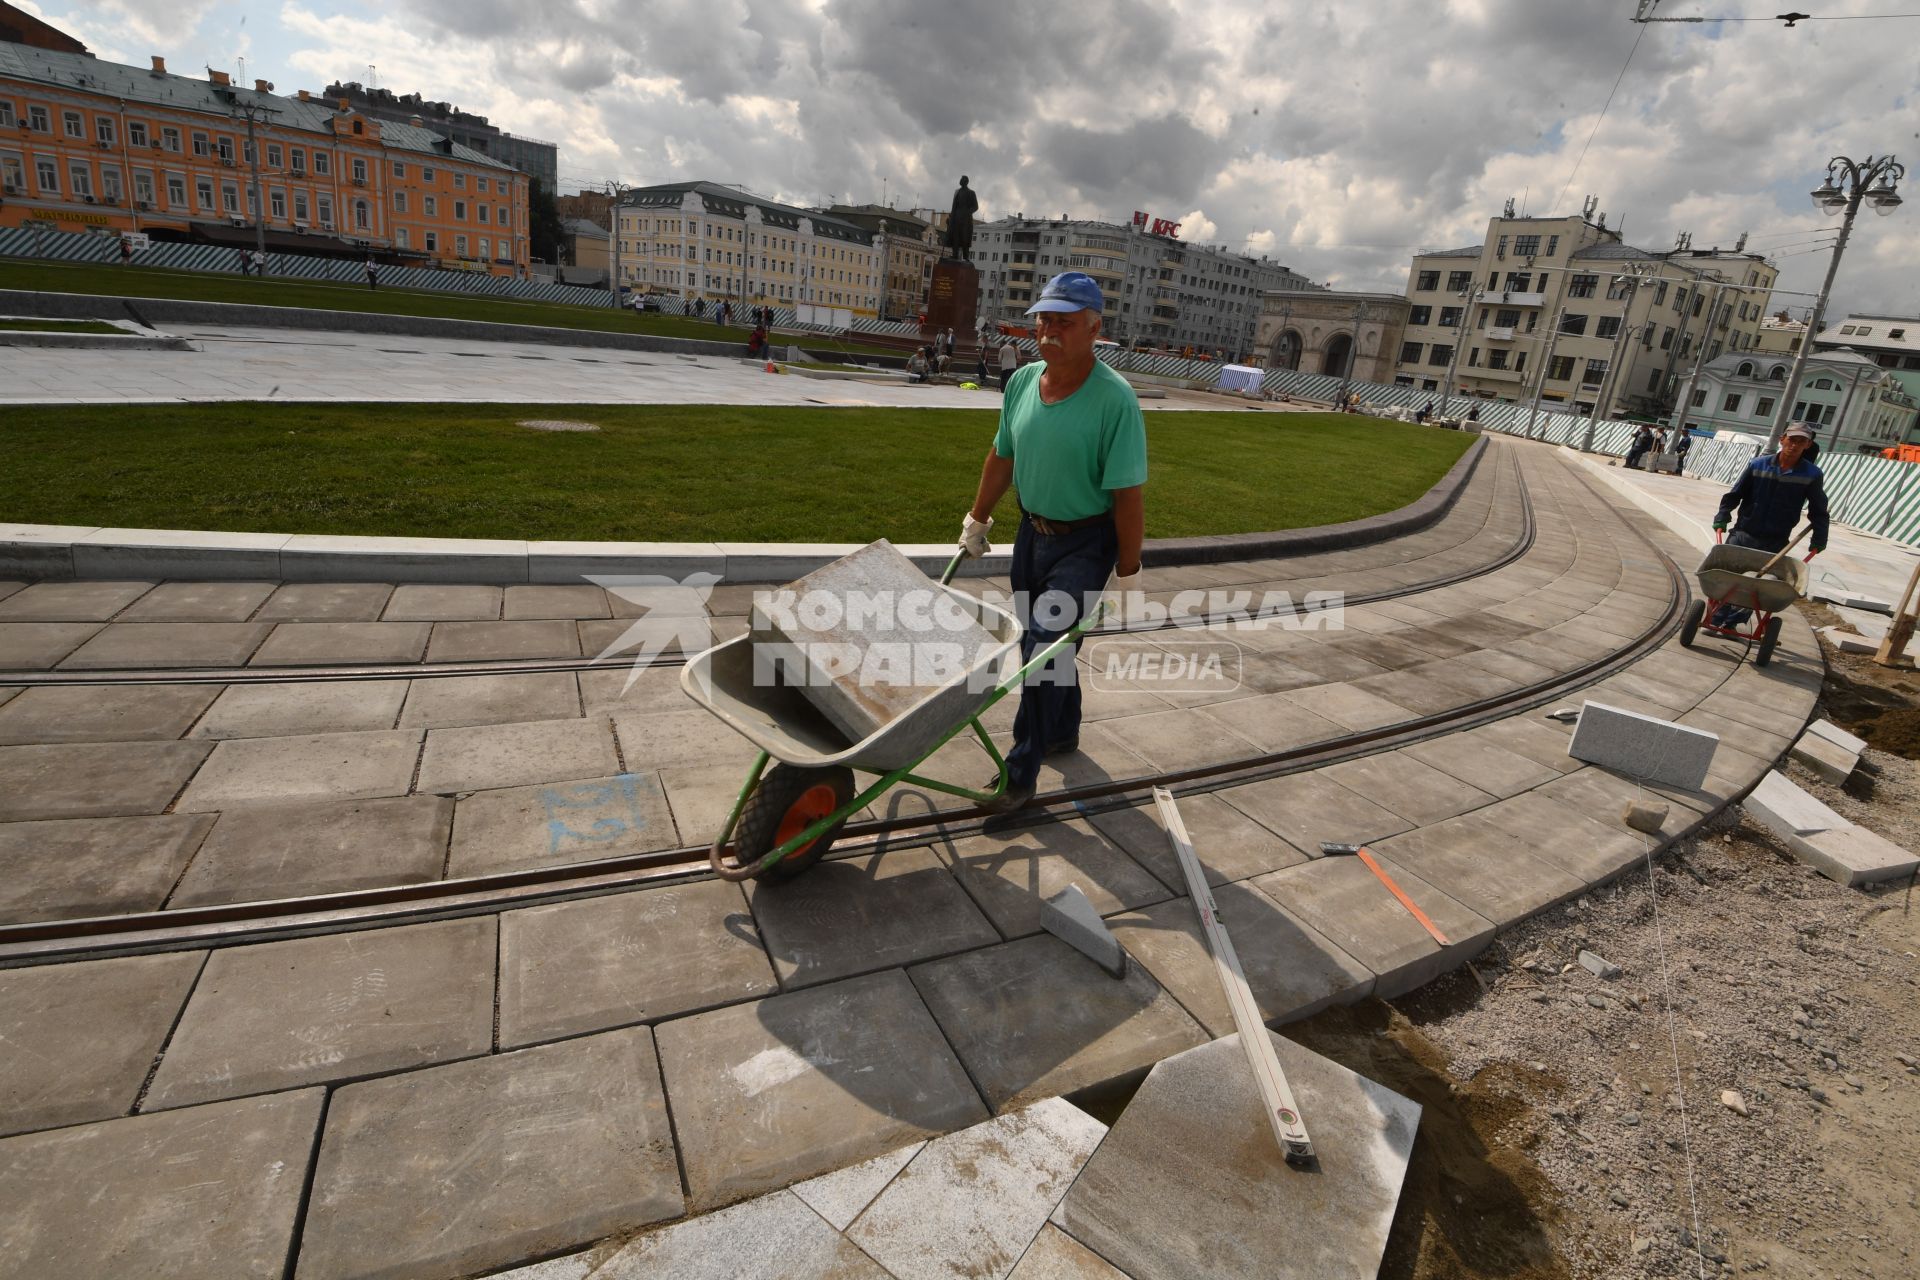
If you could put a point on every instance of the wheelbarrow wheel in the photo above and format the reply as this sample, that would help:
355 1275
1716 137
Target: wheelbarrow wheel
1768 638
1691 624
788 800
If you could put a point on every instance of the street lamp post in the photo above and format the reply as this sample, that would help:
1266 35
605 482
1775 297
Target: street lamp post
1469 297
254 111
1629 284
1346 373
1546 363
1857 182
619 193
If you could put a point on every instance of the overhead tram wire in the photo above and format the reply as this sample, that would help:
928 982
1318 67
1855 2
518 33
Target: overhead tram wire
1581 158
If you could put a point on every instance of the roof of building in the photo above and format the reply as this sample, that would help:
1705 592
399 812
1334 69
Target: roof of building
184 93
584 227
1764 361
867 214
1879 335
731 202
1615 251
1470 251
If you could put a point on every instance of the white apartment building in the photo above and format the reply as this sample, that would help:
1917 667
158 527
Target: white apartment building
1858 406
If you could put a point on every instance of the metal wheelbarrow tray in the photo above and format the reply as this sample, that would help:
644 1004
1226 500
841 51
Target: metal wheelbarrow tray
1731 576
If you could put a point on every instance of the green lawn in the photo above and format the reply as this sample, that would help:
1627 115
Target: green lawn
670 473
201 286
57 326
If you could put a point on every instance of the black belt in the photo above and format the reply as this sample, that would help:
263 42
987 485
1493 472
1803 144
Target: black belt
1054 528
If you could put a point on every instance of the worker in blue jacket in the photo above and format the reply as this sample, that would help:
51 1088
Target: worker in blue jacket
1770 494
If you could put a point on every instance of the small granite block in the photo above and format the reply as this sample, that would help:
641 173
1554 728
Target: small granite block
1068 916
1848 642
1839 737
864 634
1786 810
1847 600
1830 760
1642 746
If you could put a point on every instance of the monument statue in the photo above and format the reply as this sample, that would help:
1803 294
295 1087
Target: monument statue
960 222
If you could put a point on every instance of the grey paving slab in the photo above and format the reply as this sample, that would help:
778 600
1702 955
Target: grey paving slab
971 1202
1191 1183
1341 898
1483 866
1171 740
769 1093
855 915
595 963
701 796
210 1192
776 1237
82 1037
1306 809
484 757
1491 768
621 688
447 703
326 602
168 644
1273 722
1009 874
464 1167
620 642
583 600
1034 1018
60 870
38 646
1294 970
1055 1255
199 602
284 1014
1229 844
680 739
1531 735
499 641
1332 661
442 602
71 601
95 713
325 766
298 710
306 644
1416 791
290 851
9 588
94 779
840 1196
1351 707
1639 746
1566 836
552 823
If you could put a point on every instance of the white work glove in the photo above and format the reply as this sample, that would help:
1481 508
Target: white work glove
973 535
1122 600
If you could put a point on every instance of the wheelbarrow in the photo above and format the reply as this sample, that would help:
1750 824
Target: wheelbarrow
1764 582
787 817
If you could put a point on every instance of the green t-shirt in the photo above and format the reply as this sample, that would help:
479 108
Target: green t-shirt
1068 456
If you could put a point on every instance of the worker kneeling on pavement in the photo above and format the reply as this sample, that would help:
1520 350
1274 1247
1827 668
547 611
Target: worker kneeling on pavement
1073 443
1770 494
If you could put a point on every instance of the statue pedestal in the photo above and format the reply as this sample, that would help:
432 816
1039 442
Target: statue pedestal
953 299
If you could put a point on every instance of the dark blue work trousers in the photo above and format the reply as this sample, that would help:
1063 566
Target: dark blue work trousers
1055 580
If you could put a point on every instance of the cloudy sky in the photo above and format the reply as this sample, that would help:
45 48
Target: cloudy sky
1338 138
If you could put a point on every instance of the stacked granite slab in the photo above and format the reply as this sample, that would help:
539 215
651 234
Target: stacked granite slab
1837 848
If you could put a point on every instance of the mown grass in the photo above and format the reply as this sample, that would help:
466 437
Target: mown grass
658 472
10 325
274 291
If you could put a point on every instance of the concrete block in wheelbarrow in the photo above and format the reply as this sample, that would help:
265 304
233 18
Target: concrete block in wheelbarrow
1643 747
867 638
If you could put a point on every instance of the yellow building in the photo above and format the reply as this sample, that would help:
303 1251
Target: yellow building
87 144
703 240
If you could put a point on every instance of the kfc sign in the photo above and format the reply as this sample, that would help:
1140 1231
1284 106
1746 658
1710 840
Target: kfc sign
1158 226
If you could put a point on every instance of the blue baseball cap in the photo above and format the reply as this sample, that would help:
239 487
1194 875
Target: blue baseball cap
1069 291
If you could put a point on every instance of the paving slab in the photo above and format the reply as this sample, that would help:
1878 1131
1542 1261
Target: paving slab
449 703
1306 809
210 1192
1293 969
324 766
580 600
769 1093
1348 706
1273 722
168 644
971 1202
442 602
1828 759
1852 855
1341 898
1170 740
290 851
681 739
1483 866
595 963
1405 785
501 641
464 1167
620 642
326 602
297 710
855 915
485 757
1190 1182
622 688
1009 874
1230 845
94 779
553 823
776 1237
60 870
1486 765
199 602
840 1196
1785 809
1531 735
308 644
1839 737
1640 746
83 713
82 1037
701 796
1055 1255
1034 1018
39 646
284 1014
71 601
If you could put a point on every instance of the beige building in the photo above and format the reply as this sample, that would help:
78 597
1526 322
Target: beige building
1780 335
1344 335
703 240
1563 309
908 247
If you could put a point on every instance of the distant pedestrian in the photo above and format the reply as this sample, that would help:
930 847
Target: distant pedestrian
126 251
373 274
1473 414
757 344
1426 411
980 355
726 313
259 265
1009 362
246 263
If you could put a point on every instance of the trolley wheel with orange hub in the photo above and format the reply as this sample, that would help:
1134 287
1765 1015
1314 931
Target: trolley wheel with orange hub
787 800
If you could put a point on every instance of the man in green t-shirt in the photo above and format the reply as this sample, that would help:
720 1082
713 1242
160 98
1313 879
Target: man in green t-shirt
1073 443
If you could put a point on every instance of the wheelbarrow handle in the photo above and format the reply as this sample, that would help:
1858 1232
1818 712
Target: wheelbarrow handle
953 566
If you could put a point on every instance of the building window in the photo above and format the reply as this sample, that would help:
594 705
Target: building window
322 163
1596 370
1427 280
48 174
1459 281
300 206
1731 404
432 242
1573 325
459 210
103 130
1582 286
483 210
1653 380
1496 357
136 133
299 162
1526 246
400 238
1666 339
1763 408
274 155
277 201
74 126
1608 327
1699 398
500 215
1450 317
203 187
170 139
230 197
486 249
460 246
1419 315
362 216
1560 368
432 206
224 146
459 179
1410 352
426 174
81 178
323 205
202 144
176 191
399 168
143 186
360 170
1440 354
399 202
